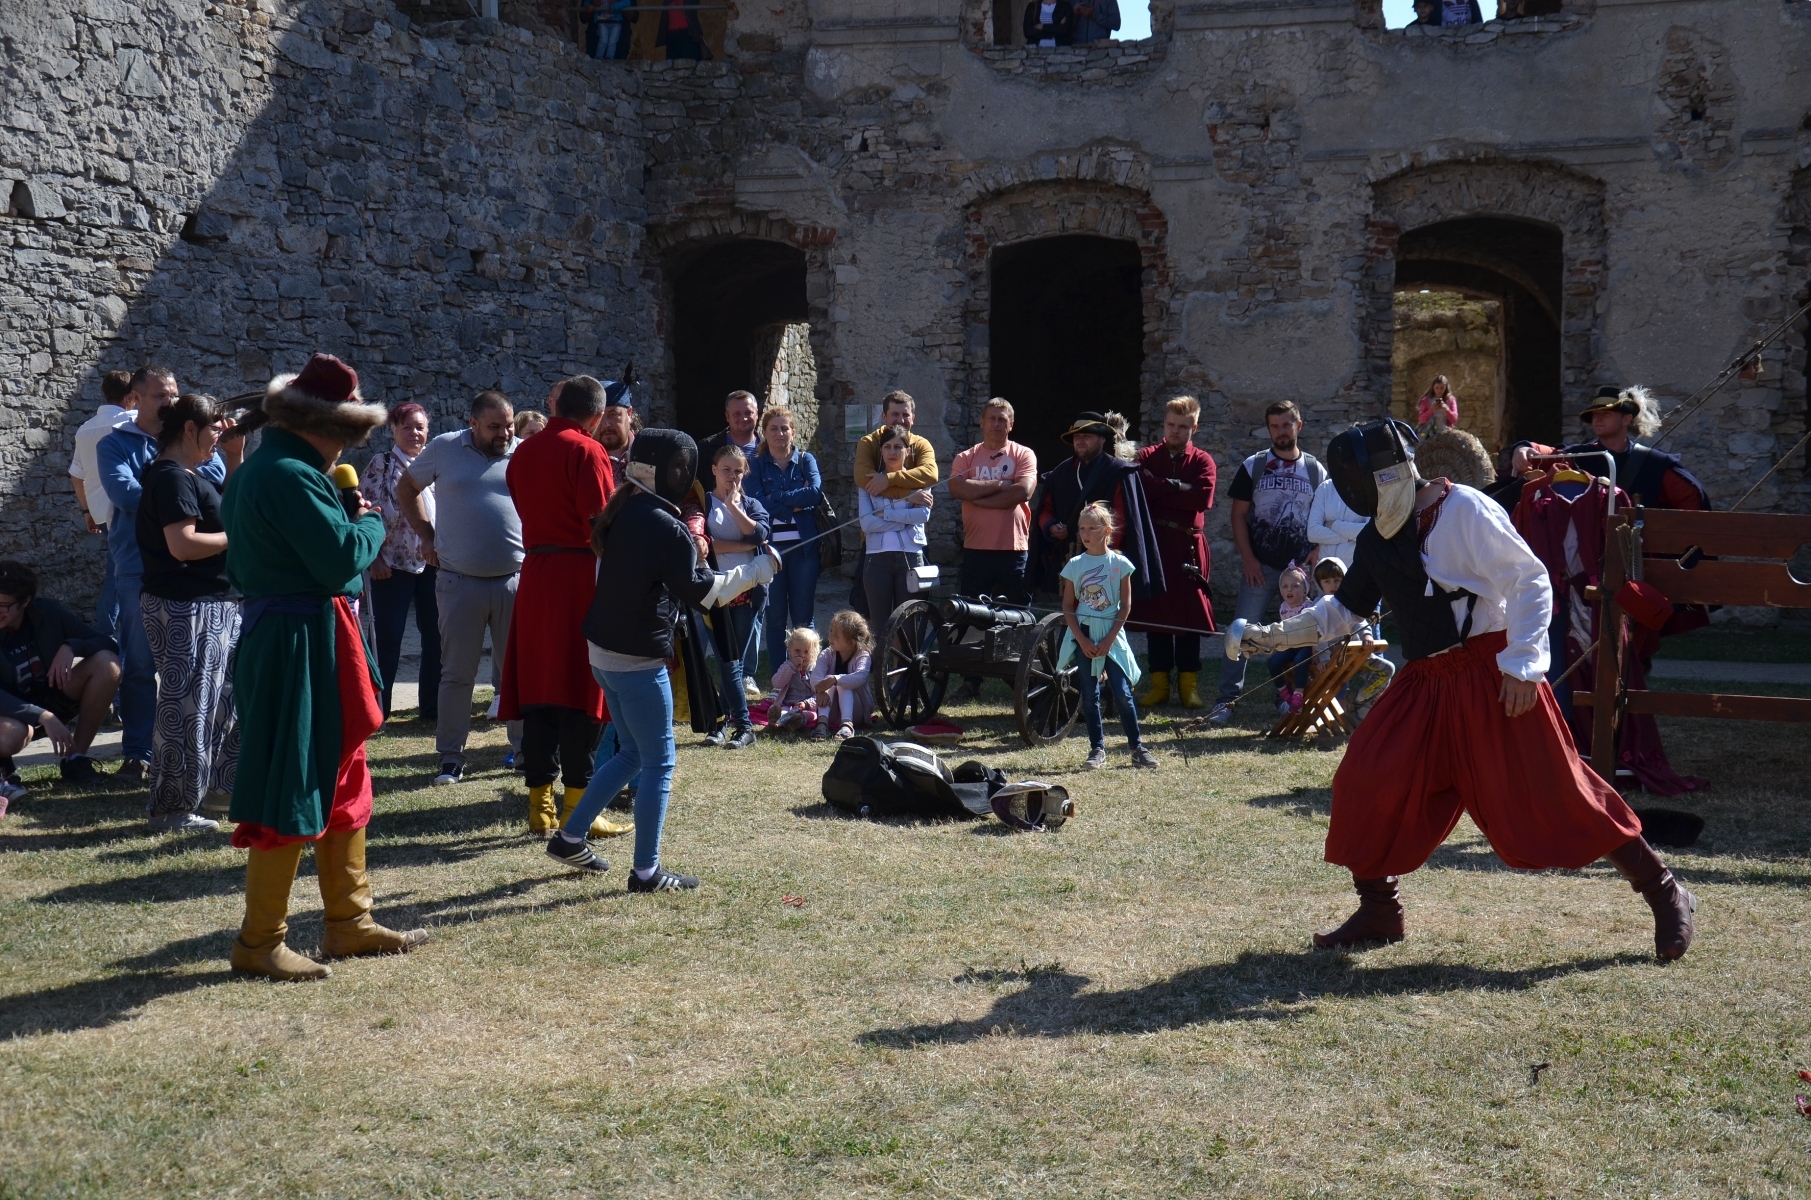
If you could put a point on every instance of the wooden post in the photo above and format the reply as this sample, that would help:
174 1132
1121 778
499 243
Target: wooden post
1606 678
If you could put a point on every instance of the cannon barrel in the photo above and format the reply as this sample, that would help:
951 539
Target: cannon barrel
959 610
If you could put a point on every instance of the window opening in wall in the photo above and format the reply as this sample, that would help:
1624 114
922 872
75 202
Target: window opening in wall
1478 300
651 30
1399 13
1010 17
738 323
1066 334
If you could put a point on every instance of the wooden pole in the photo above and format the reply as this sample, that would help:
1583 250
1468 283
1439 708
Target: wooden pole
1606 682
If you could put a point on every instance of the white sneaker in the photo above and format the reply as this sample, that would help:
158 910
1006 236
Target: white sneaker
1222 715
182 823
752 690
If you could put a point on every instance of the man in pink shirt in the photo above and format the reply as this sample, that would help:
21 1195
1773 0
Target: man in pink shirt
994 480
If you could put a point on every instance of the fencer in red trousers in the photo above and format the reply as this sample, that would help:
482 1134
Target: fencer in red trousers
1470 724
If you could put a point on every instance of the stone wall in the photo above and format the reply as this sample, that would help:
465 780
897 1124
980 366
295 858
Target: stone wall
226 187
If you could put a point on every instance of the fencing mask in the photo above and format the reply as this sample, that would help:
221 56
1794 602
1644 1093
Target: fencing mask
1373 469
664 461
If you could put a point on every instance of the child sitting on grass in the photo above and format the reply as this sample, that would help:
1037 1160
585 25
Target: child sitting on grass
1290 667
839 682
793 704
1097 599
1363 689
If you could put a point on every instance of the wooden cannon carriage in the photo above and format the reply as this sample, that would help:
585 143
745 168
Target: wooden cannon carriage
924 642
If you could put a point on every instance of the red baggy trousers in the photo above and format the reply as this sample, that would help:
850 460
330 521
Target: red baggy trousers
1437 744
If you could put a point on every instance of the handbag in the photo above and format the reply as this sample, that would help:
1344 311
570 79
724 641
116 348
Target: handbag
829 548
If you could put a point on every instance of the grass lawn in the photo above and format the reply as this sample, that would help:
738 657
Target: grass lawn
1124 1008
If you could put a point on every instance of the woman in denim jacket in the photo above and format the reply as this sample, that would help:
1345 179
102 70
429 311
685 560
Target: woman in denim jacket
786 480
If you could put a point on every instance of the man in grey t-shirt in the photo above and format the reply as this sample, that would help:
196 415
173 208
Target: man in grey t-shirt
475 539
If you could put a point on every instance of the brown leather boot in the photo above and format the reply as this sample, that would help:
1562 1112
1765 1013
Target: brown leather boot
1378 919
339 860
1672 904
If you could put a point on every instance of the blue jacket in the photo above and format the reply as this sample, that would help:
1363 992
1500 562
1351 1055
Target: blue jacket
123 456
790 490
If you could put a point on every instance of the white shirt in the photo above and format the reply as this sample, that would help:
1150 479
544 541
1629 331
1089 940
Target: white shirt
85 465
1333 526
1473 546
1046 14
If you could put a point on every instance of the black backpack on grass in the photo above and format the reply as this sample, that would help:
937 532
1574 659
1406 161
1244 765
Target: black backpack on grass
870 778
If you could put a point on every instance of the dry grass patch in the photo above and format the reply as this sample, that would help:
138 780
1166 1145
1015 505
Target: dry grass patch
1127 1007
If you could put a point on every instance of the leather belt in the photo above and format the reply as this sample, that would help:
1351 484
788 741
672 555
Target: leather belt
559 549
1168 524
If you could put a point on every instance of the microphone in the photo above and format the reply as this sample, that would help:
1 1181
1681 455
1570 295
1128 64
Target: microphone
345 478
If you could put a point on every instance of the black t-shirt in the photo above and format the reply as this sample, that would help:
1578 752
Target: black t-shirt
173 494
22 672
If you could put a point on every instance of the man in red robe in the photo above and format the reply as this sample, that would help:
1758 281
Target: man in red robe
1178 479
559 479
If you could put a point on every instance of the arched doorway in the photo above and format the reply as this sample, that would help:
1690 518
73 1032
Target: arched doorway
739 316
1481 288
1066 333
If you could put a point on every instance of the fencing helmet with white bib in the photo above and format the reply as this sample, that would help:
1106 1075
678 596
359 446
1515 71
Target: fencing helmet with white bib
1373 469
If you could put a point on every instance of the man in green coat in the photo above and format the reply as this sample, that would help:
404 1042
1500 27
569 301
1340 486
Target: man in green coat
305 686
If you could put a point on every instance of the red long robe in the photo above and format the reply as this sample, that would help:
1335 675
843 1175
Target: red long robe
559 479
1179 517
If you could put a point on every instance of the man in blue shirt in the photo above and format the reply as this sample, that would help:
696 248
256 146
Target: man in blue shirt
123 456
1095 21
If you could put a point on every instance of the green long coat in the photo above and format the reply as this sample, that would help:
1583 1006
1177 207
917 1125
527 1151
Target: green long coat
288 536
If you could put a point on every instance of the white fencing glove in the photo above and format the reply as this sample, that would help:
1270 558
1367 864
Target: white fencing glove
752 574
1299 630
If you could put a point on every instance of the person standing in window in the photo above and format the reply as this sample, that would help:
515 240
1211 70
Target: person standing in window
680 32
1095 21
1049 23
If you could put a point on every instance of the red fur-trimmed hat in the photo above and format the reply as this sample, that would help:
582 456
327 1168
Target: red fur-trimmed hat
324 400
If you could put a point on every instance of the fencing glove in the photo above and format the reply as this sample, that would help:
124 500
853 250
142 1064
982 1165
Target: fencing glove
733 582
1299 630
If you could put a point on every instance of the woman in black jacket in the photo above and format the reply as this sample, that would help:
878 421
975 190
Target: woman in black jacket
648 576
1050 23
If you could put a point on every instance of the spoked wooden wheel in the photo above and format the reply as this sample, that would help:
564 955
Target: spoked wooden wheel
1047 701
911 688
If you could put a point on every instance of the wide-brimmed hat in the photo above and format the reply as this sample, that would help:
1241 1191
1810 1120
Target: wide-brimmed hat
1611 399
1089 422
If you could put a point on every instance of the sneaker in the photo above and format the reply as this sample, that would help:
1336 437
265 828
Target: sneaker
717 736
845 733
1283 708
578 855
741 737
1221 716
11 790
1142 757
663 880
216 804
752 690
182 823
451 771
1097 758
509 760
79 769
133 770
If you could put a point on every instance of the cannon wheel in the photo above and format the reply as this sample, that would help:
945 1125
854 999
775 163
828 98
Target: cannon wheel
1047 701
911 688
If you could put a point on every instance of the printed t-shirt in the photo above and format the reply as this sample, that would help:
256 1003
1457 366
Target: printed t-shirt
1280 496
1096 578
996 528
173 494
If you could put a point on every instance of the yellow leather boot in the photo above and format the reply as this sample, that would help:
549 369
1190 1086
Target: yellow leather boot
543 817
1160 690
339 859
259 948
1185 683
601 827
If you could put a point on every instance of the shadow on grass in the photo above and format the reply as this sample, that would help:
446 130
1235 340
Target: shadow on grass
97 1003
1298 801
157 887
1256 986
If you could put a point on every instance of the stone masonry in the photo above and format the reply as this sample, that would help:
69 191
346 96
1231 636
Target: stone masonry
452 205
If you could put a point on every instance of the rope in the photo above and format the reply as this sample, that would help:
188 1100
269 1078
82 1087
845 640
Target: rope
1703 395
1783 460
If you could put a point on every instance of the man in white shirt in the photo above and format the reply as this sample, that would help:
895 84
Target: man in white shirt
1470 725
118 406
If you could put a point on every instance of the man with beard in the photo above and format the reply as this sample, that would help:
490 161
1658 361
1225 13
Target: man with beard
616 432
1089 475
1470 725
1271 497
1178 479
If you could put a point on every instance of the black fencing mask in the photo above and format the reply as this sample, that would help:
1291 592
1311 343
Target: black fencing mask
664 461
1373 469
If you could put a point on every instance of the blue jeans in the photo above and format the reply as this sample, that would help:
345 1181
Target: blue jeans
791 601
1253 603
738 629
752 642
138 672
1283 660
390 599
1114 678
641 710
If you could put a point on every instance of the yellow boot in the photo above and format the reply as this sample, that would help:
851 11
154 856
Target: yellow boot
600 828
339 859
259 948
543 818
1160 690
1185 683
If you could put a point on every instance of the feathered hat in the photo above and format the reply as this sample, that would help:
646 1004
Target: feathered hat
1636 402
322 399
1458 455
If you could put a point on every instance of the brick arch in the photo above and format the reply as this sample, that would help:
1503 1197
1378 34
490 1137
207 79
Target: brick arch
1048 208
665 247
1481 187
